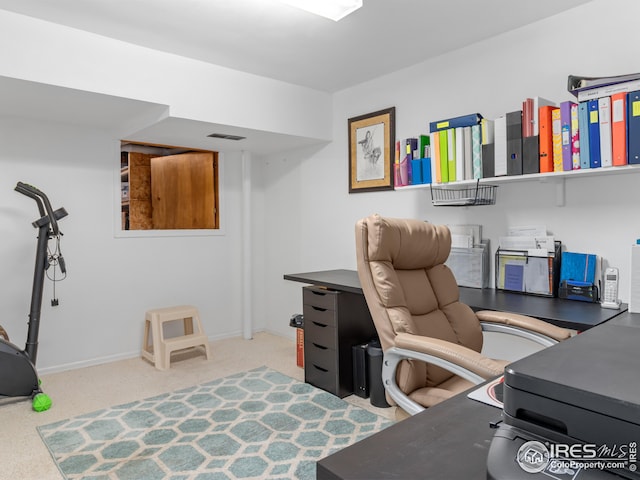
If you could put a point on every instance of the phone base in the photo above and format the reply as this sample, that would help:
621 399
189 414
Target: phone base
612 305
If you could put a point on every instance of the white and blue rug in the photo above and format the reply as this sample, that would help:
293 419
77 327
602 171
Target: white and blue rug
256 424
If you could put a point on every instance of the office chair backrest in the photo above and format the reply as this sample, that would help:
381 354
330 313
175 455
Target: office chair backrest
409 289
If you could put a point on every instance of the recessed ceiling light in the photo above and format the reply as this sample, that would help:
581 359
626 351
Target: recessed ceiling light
332 9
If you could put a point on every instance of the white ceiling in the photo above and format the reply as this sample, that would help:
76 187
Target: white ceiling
271 39
275 40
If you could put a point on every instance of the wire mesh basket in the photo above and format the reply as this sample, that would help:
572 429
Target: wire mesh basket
463 195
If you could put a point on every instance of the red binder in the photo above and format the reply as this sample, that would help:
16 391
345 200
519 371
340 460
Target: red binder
546 140
619 128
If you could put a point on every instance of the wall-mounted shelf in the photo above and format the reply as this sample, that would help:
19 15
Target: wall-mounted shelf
552 177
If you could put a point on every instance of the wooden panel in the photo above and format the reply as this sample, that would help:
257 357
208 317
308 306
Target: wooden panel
140 215
182 191
140 191
140 176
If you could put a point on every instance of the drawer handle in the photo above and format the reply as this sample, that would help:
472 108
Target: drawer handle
321 347
319 309
321 369
321 325
322 294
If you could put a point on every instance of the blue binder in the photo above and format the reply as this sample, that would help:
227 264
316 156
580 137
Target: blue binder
633 127
583 126
594 134
463 121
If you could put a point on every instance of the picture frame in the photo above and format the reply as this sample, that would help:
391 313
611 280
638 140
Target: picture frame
371 148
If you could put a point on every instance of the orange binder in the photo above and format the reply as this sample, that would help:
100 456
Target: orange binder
546 140
435 156
619 128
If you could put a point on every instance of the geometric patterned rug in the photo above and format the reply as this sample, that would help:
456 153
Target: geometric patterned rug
256 424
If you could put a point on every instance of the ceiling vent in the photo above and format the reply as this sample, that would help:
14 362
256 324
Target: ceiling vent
226 136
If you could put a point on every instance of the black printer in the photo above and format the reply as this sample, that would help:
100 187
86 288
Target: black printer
572 411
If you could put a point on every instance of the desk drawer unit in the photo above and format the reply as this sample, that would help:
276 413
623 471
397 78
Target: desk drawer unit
334 321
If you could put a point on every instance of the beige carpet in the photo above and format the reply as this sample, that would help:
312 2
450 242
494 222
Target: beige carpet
23 455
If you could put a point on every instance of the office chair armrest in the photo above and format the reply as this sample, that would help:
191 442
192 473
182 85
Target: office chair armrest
455 358
467 363
536 330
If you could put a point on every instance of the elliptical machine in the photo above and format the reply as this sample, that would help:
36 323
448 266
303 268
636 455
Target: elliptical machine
18 376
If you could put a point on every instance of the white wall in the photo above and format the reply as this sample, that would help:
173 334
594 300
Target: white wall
111 281
492 77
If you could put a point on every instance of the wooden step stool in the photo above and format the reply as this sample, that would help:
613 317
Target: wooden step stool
159 351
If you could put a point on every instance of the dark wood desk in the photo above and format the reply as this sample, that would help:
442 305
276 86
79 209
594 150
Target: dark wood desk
563 313
447 441
451 439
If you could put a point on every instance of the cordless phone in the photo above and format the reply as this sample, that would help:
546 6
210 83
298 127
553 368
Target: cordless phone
610 290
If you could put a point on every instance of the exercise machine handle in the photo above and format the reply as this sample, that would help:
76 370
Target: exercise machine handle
44 206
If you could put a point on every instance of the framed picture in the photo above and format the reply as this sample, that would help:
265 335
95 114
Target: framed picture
371 141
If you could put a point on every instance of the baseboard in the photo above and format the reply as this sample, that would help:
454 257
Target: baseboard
120 356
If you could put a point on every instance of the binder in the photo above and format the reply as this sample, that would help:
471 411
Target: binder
527 118
604 120
488 131
619 129
539 102
594 134
583 126
452 154
468 162
462 121
444 156
488 160
514 142
633 127
530 155
500 146
435 158
459 153
476 151
608 90
575 138
578 83
546 138
565 126
556 137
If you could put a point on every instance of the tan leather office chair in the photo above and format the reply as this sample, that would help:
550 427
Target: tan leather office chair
431 341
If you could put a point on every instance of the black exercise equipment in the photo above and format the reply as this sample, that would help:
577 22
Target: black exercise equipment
18 376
